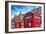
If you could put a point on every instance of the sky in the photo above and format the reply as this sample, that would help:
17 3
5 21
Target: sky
15 9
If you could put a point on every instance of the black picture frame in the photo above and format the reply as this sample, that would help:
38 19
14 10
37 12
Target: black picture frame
7 15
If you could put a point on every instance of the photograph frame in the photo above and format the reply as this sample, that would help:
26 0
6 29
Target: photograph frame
7 15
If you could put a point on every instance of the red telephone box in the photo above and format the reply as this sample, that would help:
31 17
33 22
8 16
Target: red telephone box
28 20
32 19
38 17
18 23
